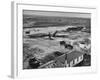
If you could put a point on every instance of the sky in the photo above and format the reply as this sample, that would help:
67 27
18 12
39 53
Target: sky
60 14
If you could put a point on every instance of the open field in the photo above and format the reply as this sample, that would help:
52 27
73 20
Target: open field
43 46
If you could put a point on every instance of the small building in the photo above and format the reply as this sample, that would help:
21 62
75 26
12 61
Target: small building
64 60
85 45
73 58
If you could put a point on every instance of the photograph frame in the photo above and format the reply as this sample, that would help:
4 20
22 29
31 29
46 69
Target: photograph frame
17 17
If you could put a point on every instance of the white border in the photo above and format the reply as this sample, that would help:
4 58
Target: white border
17 65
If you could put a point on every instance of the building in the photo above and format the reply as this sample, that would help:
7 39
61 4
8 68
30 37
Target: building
64 60
73 58
85 46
